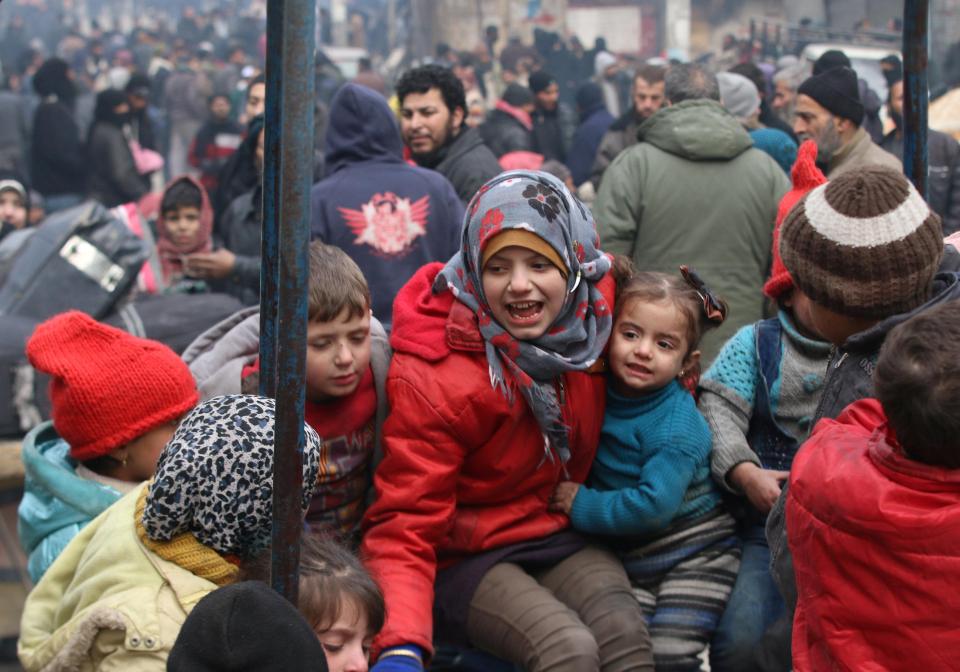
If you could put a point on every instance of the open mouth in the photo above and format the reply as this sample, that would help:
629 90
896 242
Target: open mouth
639 370
525 312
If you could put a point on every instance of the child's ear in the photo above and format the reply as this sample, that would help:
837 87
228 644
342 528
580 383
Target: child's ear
691 360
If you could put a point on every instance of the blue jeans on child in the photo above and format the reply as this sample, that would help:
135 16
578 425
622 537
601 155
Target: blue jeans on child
754 605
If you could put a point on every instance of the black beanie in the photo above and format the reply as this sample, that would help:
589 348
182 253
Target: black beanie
541 80
834 58
517 95
246 626
837 91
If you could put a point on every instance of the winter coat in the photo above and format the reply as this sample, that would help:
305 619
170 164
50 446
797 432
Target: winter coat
14 132
553 132
58 164
239 232
107 603
57 503
877 562
214 143
849 379
389 217
113 174
218 356
621 134
694 191
594 123
507 129
860 151
467 163
479 456
943 180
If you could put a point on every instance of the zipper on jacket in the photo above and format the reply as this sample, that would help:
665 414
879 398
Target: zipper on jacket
840 361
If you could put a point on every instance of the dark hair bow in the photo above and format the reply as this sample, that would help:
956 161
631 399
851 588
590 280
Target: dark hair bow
713 308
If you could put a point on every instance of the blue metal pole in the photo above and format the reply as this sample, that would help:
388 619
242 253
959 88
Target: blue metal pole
288 162
915 92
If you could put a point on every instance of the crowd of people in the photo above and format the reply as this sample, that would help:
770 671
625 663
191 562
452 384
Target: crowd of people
611 365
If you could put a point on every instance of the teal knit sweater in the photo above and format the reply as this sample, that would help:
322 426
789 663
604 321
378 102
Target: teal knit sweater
652 466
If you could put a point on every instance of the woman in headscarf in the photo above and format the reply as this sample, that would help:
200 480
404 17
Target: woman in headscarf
114 178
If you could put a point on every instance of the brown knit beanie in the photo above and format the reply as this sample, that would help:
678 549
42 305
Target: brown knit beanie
863 245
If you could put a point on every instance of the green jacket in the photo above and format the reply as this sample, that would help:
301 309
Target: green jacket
107 603
694 191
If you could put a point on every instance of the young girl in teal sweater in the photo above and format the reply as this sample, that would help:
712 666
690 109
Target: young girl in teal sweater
650 489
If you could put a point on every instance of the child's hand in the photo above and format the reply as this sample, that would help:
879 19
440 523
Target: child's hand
562 499
217 264
761 486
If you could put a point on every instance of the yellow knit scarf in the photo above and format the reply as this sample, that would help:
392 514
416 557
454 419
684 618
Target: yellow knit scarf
186 551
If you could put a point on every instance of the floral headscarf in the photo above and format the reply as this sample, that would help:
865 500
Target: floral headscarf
537 202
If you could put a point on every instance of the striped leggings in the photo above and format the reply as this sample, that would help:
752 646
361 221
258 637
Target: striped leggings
682 581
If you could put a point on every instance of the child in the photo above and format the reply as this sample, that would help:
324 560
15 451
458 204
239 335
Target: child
865 249
119 593
650 484
492 405
347 361
14 205
759 397
184 227
116 401
340 601
874 513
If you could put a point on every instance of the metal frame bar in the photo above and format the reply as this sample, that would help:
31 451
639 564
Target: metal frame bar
288 171
915 92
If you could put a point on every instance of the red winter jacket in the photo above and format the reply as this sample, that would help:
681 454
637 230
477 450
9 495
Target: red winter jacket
463 469
875 539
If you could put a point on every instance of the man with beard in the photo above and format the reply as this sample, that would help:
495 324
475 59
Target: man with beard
647 100
432 112
785 85
943 158
553 122
829 112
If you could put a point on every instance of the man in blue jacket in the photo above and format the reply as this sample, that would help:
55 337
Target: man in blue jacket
390 217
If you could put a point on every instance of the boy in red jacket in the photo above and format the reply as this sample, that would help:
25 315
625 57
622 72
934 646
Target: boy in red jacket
873 510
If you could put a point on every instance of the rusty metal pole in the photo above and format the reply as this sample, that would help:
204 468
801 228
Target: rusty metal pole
288 167
915 92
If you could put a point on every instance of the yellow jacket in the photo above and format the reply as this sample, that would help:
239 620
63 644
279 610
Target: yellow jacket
107 603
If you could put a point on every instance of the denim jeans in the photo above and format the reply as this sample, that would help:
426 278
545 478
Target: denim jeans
754 606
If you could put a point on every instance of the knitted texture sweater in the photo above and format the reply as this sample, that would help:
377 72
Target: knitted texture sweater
652 466
728 393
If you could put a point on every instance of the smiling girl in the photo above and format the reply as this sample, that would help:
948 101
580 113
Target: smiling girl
650 491
492 406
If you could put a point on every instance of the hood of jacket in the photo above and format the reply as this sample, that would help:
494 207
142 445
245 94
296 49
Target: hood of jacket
55 497
696 130
362 128
431 325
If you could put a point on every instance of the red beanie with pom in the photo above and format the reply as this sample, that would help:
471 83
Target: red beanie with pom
108 387
805 176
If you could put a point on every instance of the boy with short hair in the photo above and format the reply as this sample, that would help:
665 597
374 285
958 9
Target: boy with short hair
874 513
758 398
347 360
867 250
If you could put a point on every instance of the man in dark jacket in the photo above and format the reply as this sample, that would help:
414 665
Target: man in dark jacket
943 158
432 111
553 122
595 121
58 168
647 100
391 218
509 127
872 123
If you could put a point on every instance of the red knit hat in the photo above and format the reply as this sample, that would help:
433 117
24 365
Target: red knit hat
805 176
108 387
